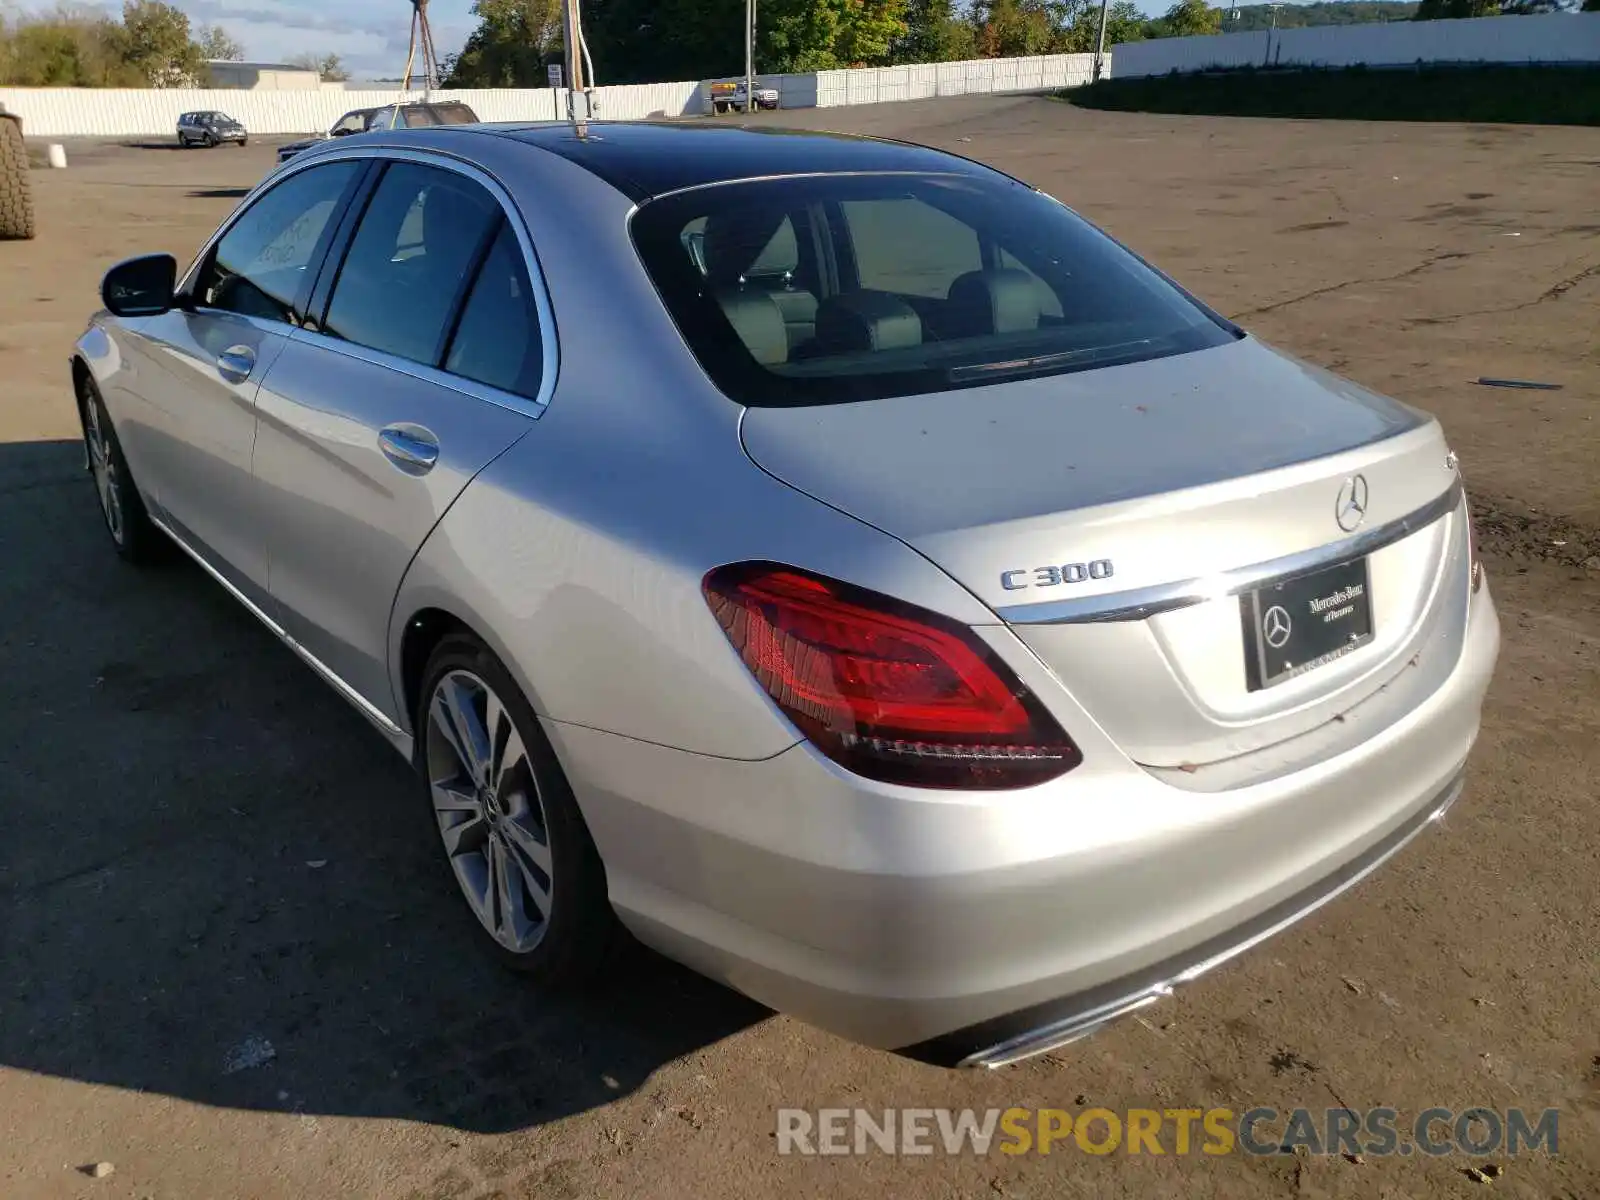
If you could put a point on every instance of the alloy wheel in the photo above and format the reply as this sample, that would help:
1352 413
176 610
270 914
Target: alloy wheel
103 465
489 811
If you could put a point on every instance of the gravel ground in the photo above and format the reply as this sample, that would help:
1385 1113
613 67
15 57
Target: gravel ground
231 967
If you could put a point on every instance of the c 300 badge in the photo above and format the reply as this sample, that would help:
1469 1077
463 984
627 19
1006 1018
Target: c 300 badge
1056 575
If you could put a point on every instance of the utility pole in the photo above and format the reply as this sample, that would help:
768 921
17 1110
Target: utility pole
749 56
576 83
1100 48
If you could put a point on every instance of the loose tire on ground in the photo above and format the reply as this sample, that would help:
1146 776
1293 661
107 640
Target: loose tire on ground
16 188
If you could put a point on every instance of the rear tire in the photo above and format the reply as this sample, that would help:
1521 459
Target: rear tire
16 188
122 509
504 811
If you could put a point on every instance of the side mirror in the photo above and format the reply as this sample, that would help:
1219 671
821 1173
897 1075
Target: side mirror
141 287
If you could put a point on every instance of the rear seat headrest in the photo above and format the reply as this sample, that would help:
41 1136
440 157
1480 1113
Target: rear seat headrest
757 319
867 321
1000 301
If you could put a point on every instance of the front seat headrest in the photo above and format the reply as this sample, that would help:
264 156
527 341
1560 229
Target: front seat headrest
1001 301
757 319
866 321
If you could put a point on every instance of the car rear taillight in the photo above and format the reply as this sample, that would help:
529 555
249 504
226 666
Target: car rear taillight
886 689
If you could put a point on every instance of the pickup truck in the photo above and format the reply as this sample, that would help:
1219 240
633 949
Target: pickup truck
729 96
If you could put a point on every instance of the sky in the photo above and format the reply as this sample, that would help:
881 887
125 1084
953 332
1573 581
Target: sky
369 35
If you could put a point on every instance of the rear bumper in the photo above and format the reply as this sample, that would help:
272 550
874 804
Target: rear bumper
979 928
1019 1035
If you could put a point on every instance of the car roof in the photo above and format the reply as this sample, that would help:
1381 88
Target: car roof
644 159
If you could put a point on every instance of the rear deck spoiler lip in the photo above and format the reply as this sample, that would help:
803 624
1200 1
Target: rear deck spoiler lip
1138 604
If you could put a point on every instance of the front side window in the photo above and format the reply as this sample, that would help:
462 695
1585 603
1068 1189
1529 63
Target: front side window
416 245
355 122
850 287
260 267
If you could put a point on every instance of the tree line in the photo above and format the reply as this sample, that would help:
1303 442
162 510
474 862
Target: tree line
640 41
152 45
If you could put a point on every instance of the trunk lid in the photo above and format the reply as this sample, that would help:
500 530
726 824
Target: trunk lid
1063 501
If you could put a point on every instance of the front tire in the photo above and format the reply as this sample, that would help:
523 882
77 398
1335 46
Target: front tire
121 507
513 838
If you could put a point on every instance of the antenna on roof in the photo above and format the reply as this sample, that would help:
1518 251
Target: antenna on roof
421 40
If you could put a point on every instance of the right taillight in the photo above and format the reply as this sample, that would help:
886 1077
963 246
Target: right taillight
888 690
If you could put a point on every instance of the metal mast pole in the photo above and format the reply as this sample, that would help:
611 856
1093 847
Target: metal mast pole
749 56
573 40
1100 48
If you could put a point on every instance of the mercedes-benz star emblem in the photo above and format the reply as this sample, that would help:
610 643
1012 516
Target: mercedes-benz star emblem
1275 626
1351 508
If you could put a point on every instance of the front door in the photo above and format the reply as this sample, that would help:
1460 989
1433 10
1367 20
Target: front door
426 367
204 362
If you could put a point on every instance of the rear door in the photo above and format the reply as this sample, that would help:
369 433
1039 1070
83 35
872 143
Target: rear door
429 360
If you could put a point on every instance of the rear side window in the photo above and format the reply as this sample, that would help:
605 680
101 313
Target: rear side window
497 341
416 244
848 287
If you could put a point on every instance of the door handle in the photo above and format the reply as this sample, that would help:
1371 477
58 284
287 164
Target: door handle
410 447
236 362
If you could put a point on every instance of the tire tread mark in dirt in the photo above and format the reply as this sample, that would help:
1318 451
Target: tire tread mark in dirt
1431 260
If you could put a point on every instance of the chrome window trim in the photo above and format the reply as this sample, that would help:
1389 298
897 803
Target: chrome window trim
531 408
551 365
1138 604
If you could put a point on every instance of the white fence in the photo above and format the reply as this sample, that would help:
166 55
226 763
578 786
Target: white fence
1550 38
930 80
113 112
120 113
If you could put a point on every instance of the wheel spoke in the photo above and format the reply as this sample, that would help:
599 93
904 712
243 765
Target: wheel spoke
511 917
447 798
465 837
504 757
474 737
452 713
537 890
528 843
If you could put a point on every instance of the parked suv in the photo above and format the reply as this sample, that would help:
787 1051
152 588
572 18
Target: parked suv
390 116
210 129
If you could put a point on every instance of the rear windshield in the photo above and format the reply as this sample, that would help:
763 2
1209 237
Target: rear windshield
454 114
836 288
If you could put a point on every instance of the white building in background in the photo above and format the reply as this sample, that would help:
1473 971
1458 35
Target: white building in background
266 77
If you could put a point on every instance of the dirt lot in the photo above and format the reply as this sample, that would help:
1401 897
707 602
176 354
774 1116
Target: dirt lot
205 851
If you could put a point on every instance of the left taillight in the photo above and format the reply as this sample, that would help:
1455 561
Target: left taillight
888 690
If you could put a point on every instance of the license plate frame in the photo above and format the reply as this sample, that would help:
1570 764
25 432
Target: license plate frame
1295 626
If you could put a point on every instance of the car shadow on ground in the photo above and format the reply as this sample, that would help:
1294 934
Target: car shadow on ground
218 882
223 193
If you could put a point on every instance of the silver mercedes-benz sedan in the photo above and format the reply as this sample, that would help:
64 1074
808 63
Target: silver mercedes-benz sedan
831 560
